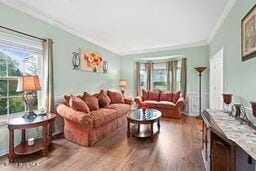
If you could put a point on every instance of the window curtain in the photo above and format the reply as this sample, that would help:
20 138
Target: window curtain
137 79
148 67
48 93
183 79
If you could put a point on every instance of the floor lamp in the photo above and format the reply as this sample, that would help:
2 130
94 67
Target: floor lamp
200 70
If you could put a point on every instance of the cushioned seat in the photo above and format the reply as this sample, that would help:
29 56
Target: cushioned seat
102 116
151 103
120 108
166 105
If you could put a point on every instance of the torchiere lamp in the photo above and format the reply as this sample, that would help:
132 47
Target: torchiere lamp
200 70
29 85
122 85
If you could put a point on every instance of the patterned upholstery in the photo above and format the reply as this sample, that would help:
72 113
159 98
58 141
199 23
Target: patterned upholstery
103 116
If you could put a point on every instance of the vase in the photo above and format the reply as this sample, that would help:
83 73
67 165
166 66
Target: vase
253 108
227 99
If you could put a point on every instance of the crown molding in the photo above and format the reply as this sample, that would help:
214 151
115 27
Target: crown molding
44 17
221 20
175 47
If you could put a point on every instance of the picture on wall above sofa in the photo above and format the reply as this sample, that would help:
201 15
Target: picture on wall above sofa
91 61
248 33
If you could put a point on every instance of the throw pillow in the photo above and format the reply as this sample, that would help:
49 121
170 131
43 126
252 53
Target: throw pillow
144 94
175 96
166 96
115 97
153 95
103 99
78 104
91 101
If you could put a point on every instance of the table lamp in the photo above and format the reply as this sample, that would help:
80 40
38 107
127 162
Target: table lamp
122 85
28 85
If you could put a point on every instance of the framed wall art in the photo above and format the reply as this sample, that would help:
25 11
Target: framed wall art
248 35
91 61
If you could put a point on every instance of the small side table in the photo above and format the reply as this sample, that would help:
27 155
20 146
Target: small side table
39 144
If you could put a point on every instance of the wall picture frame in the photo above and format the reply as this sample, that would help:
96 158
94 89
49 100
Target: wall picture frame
91 61
248 35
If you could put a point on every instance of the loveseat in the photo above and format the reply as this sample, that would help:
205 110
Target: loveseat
86 128
170 103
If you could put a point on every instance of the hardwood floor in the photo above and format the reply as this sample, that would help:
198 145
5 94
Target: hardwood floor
177 147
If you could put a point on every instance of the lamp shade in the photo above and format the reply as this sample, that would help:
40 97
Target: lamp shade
200 69
122 83
28 83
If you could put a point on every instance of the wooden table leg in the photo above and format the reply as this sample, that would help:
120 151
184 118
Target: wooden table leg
128 129
45 146
11 145
152 132
138 128
50 131
23 136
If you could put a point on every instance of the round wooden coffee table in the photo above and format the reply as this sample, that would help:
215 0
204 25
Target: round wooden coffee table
39 144
137 117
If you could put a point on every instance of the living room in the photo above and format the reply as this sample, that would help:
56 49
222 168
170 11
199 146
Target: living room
196 58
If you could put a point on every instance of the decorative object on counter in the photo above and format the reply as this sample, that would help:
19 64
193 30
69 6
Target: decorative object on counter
200 70
29 85
248 32
76 60
227 99
31 141
122 86
253 108
91 61
105 67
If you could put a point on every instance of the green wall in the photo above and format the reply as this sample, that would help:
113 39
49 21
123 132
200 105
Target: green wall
196 56
239 77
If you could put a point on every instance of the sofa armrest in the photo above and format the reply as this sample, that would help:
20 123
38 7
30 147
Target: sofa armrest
128 100
180 103
138 100
73 115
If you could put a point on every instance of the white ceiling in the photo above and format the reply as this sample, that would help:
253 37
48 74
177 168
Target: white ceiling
131 26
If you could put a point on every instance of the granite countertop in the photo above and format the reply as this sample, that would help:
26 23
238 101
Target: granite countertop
243 135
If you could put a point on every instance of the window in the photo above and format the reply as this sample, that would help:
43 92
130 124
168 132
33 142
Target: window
18 56
159 76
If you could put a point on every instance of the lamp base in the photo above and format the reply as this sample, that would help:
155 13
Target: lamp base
29 115
122 91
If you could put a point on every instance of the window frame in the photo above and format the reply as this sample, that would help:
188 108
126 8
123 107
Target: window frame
4 118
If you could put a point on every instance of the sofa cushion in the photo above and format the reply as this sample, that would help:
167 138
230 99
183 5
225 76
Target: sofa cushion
153 95
175 96
144 94
78 104
120 108
91 101
151 103
165 105
103 98
166 96
115 97
103 116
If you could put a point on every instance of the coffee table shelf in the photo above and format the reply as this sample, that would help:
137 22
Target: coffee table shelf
144 131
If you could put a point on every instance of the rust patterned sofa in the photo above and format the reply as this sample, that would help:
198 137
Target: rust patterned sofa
88 128
170 104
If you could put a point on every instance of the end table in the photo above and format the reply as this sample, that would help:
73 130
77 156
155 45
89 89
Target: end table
39 144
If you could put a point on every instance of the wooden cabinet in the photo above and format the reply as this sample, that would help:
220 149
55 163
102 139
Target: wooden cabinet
222 154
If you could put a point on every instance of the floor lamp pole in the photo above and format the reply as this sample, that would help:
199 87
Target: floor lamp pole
200 70
200 93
